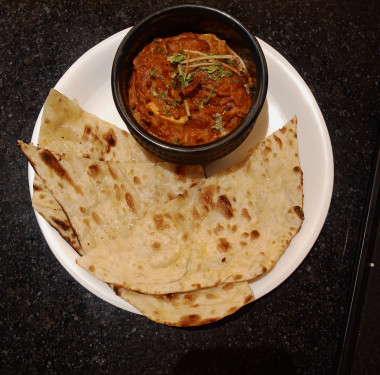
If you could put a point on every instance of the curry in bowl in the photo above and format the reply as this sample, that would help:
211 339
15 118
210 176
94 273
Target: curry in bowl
189 89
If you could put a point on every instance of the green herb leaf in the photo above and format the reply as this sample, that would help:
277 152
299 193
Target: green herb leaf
167 112
163 95
174 103
153 92
176 58
209 95
218 123
152 73
231 62
210 69
174 84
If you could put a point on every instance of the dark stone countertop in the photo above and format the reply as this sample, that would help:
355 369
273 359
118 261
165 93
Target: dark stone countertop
51 324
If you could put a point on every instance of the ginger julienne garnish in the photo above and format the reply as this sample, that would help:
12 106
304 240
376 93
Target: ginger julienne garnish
190 89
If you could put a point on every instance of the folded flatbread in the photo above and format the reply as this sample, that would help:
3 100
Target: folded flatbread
233 226
196 308
69 135
67 128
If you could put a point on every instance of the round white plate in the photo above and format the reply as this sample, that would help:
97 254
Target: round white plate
88 81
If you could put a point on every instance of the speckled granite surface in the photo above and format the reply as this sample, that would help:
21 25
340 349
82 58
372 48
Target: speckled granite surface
51 324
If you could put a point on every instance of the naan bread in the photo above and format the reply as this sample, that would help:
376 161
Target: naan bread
67 128
103 200
235 225
187 220
197 308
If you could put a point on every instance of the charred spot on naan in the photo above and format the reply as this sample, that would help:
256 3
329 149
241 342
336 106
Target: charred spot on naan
298 211
130 201
112 172
161 221
156 245
111 140
254 234
36 187
245 214
65 225
93 170
225 206
223 245
206 197
53 164
193 320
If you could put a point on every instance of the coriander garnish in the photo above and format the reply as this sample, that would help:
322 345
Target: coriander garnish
218 123
167 112
176 58
152 73
209 95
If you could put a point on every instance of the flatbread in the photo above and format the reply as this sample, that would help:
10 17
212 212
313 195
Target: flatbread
197 308
103 200
235 226
67 128
180 249
64 120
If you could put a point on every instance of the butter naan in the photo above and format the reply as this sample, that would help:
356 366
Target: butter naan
232 226
67 128
85 141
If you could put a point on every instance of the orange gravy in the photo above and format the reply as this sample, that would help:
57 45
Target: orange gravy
189 89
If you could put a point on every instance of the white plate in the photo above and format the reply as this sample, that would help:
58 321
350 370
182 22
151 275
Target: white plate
88 81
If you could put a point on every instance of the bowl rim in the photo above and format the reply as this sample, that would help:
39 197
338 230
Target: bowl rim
249 120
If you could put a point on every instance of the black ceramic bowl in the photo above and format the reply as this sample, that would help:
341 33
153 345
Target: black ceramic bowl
170 22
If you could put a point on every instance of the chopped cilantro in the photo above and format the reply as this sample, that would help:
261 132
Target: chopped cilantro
209 95
174 84
152 73
163 95
153 92
233 62
174 103
211 69
165 110
218 123
176 58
